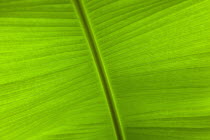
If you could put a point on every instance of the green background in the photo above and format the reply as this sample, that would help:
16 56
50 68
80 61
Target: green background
155 53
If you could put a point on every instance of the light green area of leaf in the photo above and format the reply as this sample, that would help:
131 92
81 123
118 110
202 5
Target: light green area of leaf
49 86
155 54
157 57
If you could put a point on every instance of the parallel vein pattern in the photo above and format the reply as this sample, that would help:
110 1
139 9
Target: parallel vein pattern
49 87
155 53
157 57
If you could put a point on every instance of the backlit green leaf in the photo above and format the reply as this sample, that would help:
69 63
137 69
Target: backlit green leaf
104 70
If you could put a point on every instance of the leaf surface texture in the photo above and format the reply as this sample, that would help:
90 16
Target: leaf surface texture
153 55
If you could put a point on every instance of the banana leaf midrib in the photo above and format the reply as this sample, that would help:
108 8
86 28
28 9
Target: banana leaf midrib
100 68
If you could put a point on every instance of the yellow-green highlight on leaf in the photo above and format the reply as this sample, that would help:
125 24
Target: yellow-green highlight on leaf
113 70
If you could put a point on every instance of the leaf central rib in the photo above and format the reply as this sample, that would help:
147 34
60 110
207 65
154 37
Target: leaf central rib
101 70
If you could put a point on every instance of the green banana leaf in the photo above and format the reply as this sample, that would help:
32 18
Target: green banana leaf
104 70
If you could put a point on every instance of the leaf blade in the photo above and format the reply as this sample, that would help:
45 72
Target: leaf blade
156 55
49 85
